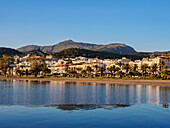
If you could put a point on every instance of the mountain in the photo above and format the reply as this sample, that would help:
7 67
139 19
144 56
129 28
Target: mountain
115 48
9 51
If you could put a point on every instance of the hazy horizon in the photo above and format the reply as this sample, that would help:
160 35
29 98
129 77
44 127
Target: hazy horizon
143 25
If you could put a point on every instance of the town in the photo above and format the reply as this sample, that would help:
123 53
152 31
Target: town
41 66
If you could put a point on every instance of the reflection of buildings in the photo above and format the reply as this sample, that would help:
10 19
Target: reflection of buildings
58 92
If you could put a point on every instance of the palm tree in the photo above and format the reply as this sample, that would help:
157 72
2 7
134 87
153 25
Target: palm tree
166 56
166 72
119 73
89 70
127 67
144 67
162 63
96 68
72 73
154 68
5 63
83 72
131 73
66 67
101 69
36 64
135 67
18 72
110 70
114 68
22 71
26 72
44 67
119 63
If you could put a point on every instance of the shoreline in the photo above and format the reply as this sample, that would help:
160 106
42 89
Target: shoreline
93 80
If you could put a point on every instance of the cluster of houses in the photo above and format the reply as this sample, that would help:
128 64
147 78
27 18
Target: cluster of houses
58 66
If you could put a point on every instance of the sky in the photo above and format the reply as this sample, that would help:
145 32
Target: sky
142 24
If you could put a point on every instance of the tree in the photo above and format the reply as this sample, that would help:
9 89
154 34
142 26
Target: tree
69 61
135 67
83 72
18 72
166 56
114 68
131 73
120 73
165 73
127 67
154 68
101 69
44 68
66 67
72 72
120 64
144 67
6 63
26 72
37 64
36 68
96 68
89 70
162 63
110 70
22 71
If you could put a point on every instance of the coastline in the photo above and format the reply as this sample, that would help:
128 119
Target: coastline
93 80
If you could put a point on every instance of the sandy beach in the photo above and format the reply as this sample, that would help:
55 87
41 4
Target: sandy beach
88 80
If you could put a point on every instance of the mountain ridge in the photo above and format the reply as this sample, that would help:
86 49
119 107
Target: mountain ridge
112 47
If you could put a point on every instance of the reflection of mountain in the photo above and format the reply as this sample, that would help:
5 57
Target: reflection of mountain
70 107
58 92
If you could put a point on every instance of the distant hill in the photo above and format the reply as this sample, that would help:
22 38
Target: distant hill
37 52
9 51
147 54
114 48
76 52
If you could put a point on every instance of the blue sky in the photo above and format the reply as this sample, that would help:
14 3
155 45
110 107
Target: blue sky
142 24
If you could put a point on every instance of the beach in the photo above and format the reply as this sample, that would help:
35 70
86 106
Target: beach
89 80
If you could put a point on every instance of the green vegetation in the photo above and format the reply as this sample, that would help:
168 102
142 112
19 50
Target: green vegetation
6 64
76 52
37 65
8 51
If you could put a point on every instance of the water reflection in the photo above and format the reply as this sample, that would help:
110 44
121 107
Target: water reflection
87 106
80 95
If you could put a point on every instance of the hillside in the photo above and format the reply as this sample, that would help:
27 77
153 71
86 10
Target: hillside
37 52
76 52
8 51
114 48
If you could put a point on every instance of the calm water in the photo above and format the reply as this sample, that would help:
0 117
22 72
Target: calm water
52 104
